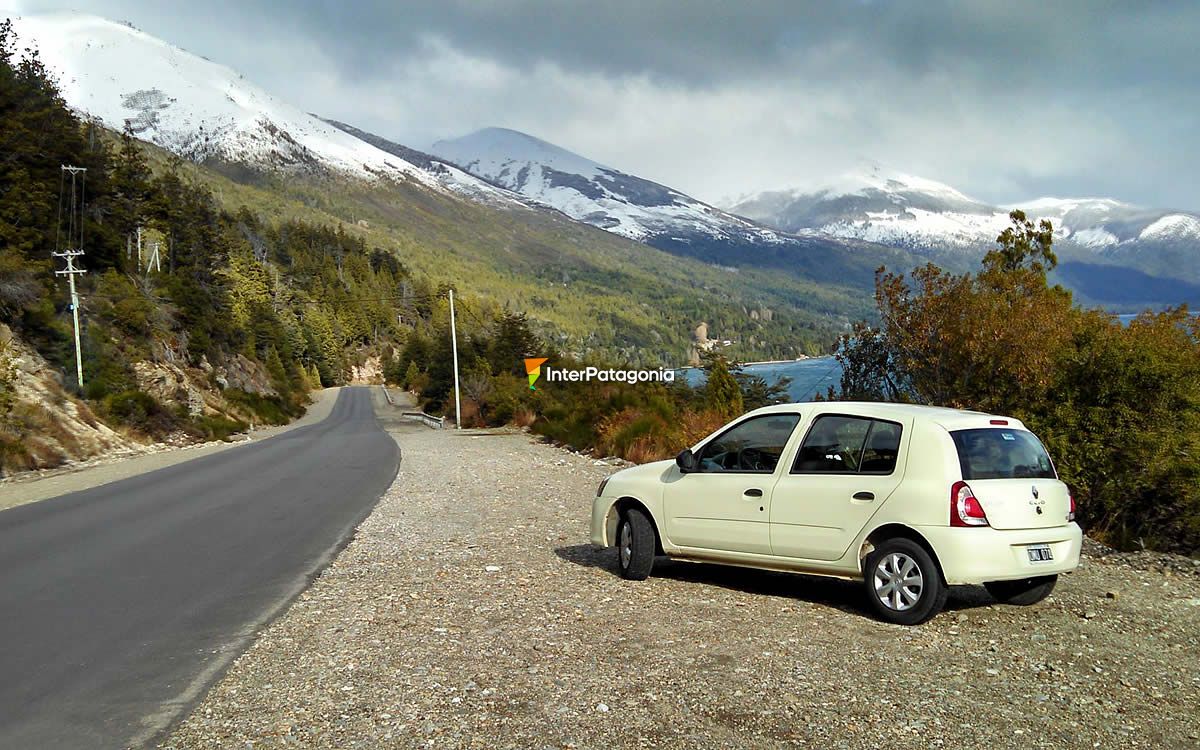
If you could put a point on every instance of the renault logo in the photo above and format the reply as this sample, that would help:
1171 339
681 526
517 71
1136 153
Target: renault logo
1035 492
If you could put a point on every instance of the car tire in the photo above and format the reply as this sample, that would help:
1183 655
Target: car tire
903 583
1024 592
636 543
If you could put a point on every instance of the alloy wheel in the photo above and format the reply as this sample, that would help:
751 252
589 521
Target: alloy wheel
898 582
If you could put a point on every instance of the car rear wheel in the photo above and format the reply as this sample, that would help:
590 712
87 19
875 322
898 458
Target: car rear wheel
635 545
903 583
1023 592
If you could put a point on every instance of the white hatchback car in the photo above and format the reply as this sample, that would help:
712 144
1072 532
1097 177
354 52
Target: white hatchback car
908 499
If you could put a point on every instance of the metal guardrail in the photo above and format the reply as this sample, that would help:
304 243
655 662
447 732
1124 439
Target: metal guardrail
437 423
429 420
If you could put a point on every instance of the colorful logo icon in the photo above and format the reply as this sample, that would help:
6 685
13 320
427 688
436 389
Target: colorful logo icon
533 367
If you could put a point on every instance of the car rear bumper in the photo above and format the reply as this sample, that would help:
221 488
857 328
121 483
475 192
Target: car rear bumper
977 555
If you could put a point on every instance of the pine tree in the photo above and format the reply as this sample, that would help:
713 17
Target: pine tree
722 394
129 185
411 376
276 370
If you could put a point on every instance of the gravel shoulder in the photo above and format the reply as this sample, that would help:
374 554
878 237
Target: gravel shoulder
468 611
32 486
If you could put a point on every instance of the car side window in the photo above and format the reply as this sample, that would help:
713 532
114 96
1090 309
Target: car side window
839 444
754 446
883 447
834 445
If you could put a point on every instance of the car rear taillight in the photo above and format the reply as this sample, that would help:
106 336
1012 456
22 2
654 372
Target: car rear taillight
965 510
600 489
1071 512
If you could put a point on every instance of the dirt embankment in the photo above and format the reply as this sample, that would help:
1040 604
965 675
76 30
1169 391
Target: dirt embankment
48 428
470 612
46 424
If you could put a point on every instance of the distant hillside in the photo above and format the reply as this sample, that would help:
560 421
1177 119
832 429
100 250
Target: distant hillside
592 292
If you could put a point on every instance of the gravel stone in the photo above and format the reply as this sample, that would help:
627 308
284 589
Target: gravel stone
405 641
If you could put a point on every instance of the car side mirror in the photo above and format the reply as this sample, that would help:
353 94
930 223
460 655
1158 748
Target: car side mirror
687 461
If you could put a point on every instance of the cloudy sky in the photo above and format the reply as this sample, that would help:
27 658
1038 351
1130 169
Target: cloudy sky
1006 100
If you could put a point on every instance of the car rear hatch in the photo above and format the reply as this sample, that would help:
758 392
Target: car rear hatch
1012 477
1022 503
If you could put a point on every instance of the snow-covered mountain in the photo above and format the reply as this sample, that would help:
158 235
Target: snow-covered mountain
204 111
655 214
923 215
591 192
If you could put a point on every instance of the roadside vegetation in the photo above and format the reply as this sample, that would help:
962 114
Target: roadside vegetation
639 422
1117 406
258 312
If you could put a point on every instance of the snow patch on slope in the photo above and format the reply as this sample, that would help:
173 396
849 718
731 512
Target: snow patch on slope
495 151
1173 227
877 178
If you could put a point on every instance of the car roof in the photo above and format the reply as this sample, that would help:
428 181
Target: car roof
950 419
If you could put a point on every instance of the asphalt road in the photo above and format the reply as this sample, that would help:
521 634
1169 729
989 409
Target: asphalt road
120 604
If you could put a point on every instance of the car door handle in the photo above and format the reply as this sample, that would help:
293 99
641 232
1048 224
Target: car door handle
864 495
753 492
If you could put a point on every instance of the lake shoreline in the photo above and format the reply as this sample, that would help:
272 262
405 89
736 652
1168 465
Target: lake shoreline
763 362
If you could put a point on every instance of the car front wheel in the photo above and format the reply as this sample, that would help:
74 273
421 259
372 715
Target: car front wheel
904 584
635 545
1023 592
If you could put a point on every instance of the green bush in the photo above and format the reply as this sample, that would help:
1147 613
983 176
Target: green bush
216 427
140 411
267 409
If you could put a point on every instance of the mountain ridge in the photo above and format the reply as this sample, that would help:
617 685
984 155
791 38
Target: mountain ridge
658 215
902 210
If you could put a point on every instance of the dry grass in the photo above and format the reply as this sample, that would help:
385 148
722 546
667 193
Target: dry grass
640 435
524 418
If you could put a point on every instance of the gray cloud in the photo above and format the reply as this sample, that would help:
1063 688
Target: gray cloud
1006 100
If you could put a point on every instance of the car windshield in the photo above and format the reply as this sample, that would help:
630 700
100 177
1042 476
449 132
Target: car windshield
1002 454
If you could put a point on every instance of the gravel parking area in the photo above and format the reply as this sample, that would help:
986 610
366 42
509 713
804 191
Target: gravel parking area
470 612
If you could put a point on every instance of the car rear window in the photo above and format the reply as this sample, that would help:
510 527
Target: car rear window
1002 454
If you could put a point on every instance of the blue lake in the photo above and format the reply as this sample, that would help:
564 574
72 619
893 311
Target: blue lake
809 376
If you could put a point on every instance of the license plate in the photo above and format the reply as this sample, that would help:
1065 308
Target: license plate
1039 553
